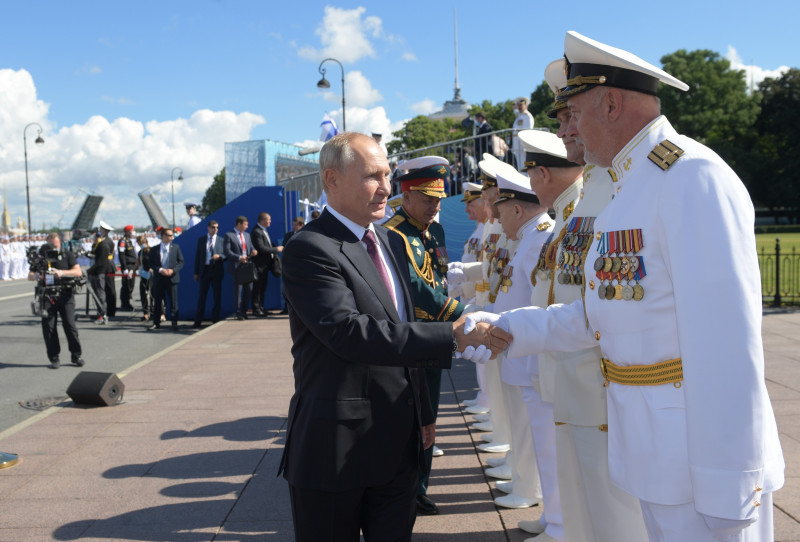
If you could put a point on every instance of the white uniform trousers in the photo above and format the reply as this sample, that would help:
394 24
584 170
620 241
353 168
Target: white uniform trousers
682 523
521 458
483 390
543 433
595 510
501 431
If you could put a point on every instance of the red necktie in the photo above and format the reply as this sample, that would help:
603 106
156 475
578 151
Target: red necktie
372 250
244 247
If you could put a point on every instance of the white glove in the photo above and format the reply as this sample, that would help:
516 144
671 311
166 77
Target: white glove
455 273
454 291
477 355
481 316
726 530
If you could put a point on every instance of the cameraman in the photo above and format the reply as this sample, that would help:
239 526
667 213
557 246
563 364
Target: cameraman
60 264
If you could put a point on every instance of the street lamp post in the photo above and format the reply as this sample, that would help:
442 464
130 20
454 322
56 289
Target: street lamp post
172 179
39 141
323 83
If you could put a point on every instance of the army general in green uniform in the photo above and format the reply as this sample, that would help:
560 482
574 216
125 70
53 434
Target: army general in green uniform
414 221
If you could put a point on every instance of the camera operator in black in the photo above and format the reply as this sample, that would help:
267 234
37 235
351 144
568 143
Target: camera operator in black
61 264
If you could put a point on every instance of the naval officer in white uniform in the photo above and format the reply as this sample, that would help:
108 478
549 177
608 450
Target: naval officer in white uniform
673 301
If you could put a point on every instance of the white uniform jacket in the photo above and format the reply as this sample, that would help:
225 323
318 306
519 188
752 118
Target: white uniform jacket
515 291
712 440
563 207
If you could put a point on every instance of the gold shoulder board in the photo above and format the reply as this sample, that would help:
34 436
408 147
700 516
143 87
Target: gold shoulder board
665 154
393 222
543 226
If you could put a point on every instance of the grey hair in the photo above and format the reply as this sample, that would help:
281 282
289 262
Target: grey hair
337 152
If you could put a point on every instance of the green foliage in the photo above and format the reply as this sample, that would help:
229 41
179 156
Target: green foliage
541 102
716 110
775 146
500 115
422 131
215 195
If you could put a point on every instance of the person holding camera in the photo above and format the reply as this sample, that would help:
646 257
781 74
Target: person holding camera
61 265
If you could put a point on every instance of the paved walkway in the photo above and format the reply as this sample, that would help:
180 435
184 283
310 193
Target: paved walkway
191 454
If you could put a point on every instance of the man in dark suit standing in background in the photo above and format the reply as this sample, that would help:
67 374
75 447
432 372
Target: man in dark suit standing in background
483 143
166 261
264 261
360 416
102 255
238 249
208 271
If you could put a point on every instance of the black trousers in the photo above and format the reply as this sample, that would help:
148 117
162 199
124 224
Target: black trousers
111 295
383 513
126 295
98 284
259 287
209 279
64 306
434 379
144 296
163 289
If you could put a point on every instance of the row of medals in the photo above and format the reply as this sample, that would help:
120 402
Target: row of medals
499 265
574 246
612 266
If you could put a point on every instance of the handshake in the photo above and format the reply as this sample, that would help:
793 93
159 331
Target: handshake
481 336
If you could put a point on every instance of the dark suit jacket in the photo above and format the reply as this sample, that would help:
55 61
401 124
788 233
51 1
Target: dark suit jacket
175 262
360 395
483 141
233 249
103 257
266 252
200 256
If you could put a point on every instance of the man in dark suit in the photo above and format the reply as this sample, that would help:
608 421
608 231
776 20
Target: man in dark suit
102 255
360 416
264 261
208 271
483 140
166 261
238 249
297 225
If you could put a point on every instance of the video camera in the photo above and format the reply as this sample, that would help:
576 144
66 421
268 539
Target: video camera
41 260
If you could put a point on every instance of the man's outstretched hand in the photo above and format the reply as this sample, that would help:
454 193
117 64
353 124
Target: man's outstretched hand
481 331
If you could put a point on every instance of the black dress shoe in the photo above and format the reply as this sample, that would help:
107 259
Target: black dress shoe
425 506
55 363
196 325
77 360
174 327
239 316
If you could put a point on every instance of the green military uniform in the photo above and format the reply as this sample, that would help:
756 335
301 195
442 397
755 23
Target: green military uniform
427 263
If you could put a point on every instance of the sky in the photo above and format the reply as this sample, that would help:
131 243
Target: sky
126 92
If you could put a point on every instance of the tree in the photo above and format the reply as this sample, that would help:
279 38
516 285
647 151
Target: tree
422 131
716 110
541 102
215 195
776 162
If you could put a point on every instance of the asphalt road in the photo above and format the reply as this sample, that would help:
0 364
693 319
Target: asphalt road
25 374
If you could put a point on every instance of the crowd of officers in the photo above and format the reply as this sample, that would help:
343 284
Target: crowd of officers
631 403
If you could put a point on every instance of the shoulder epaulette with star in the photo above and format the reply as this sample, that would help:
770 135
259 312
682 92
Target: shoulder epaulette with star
393 222
665 154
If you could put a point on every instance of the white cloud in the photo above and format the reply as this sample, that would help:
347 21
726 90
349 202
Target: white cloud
345 35
753 74
410 57
359 90
424 107
115 159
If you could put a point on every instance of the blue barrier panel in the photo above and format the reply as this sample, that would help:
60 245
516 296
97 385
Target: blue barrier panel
256 200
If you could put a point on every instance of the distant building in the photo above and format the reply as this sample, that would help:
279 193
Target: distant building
262 163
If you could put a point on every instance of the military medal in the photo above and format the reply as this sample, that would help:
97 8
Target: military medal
627 292
638 292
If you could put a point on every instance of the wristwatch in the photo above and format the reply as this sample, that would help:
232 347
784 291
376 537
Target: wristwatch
455 346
